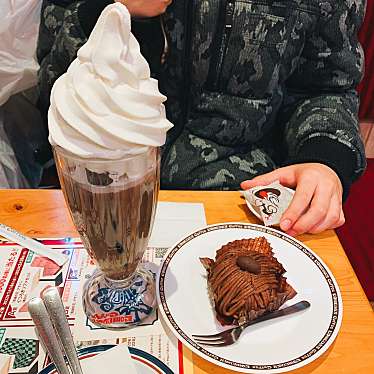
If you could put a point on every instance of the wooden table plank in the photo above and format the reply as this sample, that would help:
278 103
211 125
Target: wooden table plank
41 213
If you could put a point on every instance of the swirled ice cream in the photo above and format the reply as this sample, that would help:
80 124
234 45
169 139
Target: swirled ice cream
106 105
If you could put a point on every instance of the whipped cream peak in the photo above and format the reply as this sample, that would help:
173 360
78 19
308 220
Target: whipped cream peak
112 49
106 105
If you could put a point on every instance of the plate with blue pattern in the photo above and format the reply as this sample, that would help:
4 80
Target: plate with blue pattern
144 362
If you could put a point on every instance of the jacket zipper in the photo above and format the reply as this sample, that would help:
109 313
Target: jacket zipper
166 41
187 65
187 59
226 19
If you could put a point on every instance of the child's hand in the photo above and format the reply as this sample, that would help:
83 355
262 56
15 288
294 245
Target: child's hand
317 203
146 8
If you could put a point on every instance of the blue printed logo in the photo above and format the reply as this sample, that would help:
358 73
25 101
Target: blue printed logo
124 302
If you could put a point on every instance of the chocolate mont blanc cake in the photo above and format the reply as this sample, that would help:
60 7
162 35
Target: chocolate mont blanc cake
246 281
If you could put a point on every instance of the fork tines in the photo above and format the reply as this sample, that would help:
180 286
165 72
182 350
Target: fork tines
220 339
218 342
230 336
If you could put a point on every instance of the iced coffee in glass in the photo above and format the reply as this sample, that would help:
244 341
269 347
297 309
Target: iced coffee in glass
107 123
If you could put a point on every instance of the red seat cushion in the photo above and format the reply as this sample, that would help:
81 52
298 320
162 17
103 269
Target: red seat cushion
357 235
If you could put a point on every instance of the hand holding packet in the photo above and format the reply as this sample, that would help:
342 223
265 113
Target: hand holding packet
269 202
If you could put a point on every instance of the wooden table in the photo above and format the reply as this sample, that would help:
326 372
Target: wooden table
41 213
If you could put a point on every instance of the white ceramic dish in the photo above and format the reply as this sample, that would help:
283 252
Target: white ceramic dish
273 346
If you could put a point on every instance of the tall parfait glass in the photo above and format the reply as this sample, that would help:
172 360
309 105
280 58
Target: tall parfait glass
112 204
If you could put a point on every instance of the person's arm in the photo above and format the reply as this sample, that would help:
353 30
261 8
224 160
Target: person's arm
325 150
323 126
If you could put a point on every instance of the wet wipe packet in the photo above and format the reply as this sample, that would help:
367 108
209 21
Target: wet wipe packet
268 203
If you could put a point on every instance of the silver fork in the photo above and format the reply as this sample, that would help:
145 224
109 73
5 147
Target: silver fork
230 336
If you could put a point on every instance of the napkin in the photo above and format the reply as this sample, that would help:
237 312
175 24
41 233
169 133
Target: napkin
114 360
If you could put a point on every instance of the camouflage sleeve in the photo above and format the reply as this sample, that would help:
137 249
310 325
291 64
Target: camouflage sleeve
60 37
321 105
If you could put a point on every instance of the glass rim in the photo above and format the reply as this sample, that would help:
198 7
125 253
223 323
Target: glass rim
72 156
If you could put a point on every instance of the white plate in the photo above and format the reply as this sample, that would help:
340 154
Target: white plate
144 362
273 346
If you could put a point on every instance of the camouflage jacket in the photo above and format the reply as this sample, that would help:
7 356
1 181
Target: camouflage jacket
251 84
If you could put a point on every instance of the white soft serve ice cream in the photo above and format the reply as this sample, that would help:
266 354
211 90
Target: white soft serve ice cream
106 105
